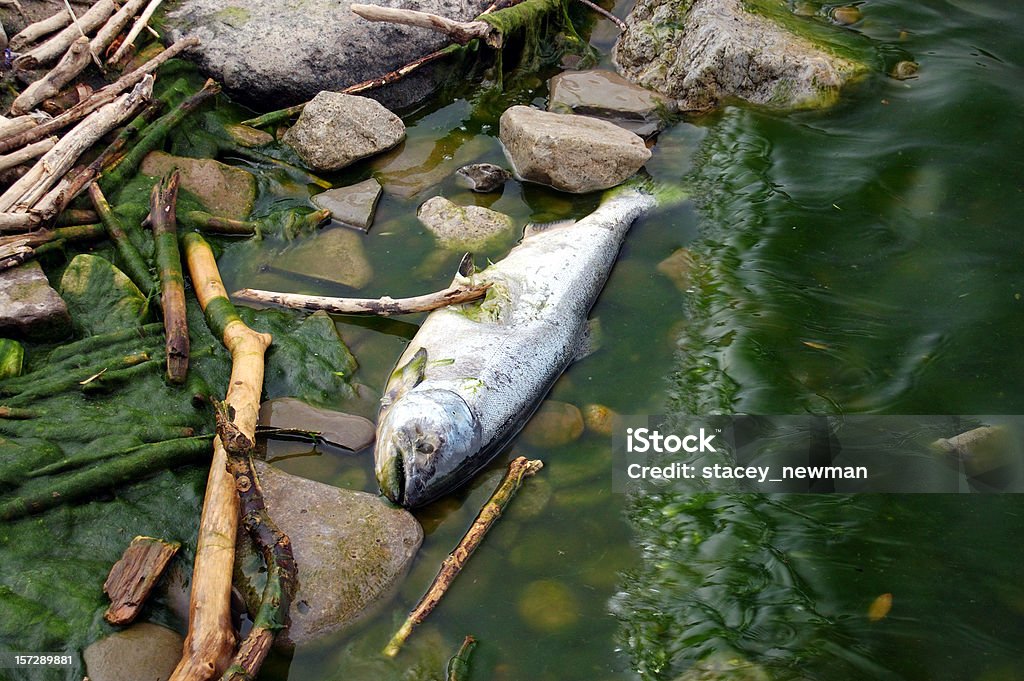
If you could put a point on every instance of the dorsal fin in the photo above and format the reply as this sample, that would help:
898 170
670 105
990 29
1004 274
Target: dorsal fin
406 377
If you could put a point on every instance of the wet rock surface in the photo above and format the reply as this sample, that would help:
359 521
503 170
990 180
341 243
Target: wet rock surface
342 430
576 154
354 205
224 190
609 96
704 52
336 130
29 307
142 652
462 227
352 550
336 255
483 178
553 425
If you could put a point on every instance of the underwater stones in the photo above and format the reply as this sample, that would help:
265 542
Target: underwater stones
678 267
353 205
599 419
352 550
483 178
337 428
100 297
224 190
704 52
142 651
335 255
844 16
335 130
548 606
553 425
458 227
248 136
273 54
609 96
576 154
29 307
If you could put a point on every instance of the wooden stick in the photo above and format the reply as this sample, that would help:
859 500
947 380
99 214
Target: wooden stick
34 150
382 307
40 29
211 637
134 576
518 471
99 98
76 216
459 31
605 13
17 222
53 48
218 225
24 193
134 264
74 62
105 36
140 23
164 223
401 72
15 126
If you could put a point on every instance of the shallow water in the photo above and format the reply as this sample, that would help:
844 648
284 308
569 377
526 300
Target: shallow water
863 259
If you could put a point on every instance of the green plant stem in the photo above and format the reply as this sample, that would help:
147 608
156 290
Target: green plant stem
134 264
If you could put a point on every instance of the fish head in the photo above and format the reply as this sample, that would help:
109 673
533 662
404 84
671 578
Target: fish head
427 442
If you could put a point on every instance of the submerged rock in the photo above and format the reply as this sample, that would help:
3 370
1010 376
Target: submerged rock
609 96
273 54
576 154
101 297
483 177
467 228
335 130
29 307
555 424
335 255
706 51
354 205
352 550
548 606
225 191
143 651
678 267
343 430
599 419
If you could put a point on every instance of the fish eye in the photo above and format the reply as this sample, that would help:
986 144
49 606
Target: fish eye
425 448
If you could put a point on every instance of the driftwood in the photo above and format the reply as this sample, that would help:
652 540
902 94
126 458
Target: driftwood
40 29
518 471
74 62
383 307
605 13
17 222
461 32
18 125
20 248
164 222
211 637
136 29
105 36
27 153
134 576
53 48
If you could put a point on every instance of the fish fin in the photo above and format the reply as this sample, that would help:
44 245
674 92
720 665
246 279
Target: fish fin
534 228
406 377
592 339
467 268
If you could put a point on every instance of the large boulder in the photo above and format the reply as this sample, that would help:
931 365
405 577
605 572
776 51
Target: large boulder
703 52
335 130
609 96
576 154
29 307
274 53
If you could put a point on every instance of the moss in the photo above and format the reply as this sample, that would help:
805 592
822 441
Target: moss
234 16
488 309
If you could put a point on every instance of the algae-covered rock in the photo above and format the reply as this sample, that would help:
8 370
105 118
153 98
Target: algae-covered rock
553 425
12 357
29 307
143 651
224 190
101 297
576 154
465 228
548 606
702 52
336 130
353 205
609 96
352 550
335 255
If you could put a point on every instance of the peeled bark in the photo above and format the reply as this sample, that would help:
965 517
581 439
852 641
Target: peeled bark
134 576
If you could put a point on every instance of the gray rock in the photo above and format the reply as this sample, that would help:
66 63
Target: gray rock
354 205
352 549
483 177
576 154
142 652
343 430
335 130
29 306
224 190
609 96
704 52
335 255
468 228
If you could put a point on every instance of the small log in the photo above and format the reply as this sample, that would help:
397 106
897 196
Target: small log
17 222
518 471
18 125
211 637
105 36
16 414
217 225
134 264
137 28
460 31
27 153
274 116
70 217
40 29
70 66
382 307
53 48
164 224
134 576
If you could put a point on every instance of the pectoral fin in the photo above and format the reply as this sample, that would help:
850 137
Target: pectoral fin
406 377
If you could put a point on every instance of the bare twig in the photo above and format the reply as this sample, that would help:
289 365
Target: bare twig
27 153
40 29
460 31
140 23
53 48
605 13
105 36
382 307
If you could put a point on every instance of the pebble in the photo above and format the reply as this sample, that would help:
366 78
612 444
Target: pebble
555 424
548 606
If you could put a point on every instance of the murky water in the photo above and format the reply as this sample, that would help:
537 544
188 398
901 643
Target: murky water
865 259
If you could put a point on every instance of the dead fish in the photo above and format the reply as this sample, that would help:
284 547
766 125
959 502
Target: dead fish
474 373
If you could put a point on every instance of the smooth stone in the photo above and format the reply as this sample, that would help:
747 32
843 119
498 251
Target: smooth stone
609 96
272 54
142 652
599 419
904 70
354 205
721 666
225 191
352 550
29 307
422 162
548 606
483 177
678 267
335 255
845 16
704 52
554 424
981 450
576 154
468 228
343 430
101 297
248 136
336 130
